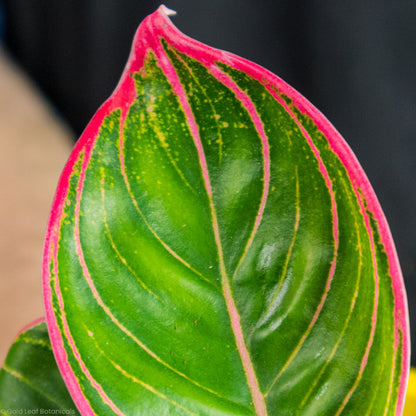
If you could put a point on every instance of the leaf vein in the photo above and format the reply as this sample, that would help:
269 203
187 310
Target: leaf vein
146 222
258 399
113 244
347 321
269 310
34 341
375 305
123 328
163 144
23 379
147 386
325 175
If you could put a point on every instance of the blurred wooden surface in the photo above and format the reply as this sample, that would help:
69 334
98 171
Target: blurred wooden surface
34 145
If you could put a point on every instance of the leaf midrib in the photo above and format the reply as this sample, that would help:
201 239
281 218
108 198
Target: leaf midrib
252 382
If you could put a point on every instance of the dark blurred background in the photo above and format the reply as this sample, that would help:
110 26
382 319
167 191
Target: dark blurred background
354 60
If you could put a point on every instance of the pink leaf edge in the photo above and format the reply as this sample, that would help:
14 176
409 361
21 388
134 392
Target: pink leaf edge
34 323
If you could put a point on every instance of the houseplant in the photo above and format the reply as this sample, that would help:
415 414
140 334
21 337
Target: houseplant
215 248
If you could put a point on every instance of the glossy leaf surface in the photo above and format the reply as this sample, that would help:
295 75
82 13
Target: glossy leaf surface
30 381
214 248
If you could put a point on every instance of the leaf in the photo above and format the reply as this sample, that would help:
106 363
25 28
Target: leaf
215 248
30 381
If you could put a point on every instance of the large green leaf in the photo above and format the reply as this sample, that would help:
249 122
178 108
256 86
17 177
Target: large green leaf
30 382
214 248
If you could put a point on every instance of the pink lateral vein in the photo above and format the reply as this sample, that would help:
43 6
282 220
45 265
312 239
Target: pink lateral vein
391 385
374 317
99 300
376 383
393 371
331 273
112 242
137 381
269 310
180 58
258 124
136 206
346 323
70 377
258 398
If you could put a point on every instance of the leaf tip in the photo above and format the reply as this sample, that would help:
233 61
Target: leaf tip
165 11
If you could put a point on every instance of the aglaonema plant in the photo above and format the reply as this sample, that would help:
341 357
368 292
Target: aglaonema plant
214 248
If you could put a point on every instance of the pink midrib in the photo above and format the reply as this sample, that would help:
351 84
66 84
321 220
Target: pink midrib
257 396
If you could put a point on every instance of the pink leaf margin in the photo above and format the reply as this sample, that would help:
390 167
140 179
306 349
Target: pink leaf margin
147 37
34 323
31 325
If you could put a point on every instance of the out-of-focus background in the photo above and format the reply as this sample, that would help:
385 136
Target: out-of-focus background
354 60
